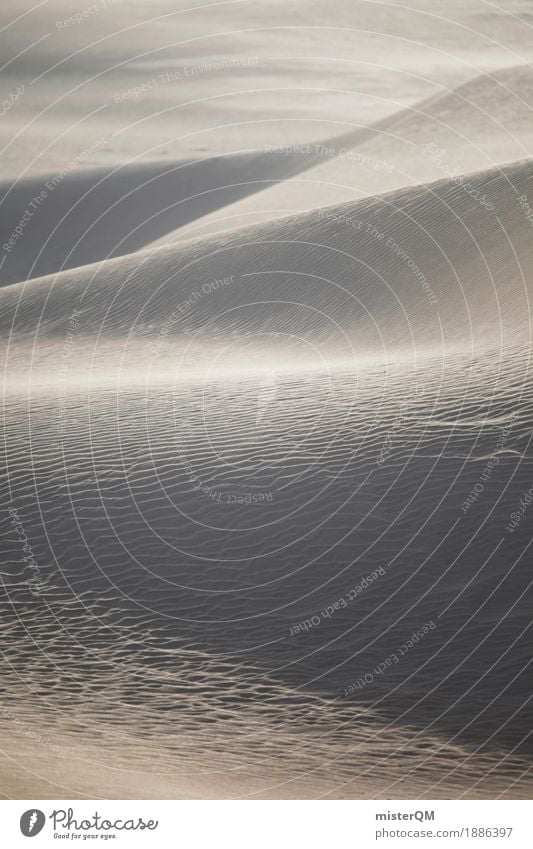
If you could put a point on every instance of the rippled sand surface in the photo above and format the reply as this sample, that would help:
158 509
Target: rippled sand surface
267 476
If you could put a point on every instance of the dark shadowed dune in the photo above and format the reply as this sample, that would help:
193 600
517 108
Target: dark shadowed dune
483 123
101 213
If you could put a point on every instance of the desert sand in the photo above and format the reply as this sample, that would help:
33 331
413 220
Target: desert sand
265 286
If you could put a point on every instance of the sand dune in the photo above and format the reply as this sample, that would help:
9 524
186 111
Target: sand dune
267 420
98 214
485 122
423 272
102 213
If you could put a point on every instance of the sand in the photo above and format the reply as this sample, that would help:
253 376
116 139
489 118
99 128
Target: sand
265 293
